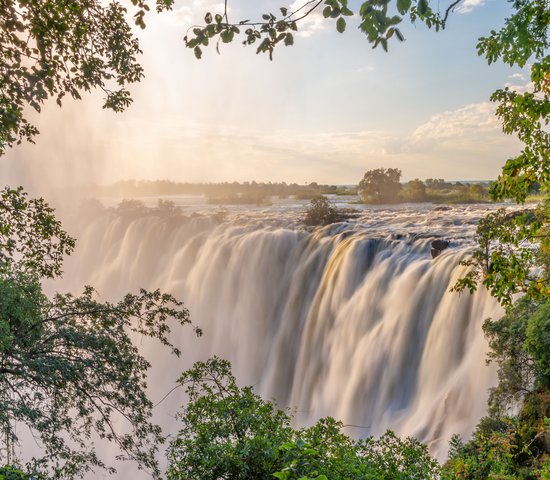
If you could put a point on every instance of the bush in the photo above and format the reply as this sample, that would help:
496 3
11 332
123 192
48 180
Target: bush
320 212
229 432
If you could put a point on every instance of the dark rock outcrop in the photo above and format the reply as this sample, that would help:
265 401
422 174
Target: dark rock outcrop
438 246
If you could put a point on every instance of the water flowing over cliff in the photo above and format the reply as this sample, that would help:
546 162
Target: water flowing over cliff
354 320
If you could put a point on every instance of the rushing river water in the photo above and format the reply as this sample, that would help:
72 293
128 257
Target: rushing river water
353 320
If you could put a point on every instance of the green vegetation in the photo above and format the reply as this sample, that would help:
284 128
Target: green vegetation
69 369
70 355
231 433
234 192
320 212
513 255
506 445
379 20
54 49
258 193
380 186
251 198
12 473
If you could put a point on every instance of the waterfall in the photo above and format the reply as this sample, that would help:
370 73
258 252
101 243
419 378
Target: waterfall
350 320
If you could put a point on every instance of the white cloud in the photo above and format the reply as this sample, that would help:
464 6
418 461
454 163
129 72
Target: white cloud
521 88
466 143
468 5
472 119
313 23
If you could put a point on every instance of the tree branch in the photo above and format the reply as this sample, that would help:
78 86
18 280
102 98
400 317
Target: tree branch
450 8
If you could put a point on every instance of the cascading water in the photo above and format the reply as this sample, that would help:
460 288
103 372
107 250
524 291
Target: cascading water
354 320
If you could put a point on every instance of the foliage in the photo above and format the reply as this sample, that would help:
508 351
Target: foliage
391 457
507 268
520 346
415 191
513 442
230 433
53 49
511 448
320 212
497 451
322 451
380 186
30 232
512 254
138 188
69 370
12 473
523 39
379 20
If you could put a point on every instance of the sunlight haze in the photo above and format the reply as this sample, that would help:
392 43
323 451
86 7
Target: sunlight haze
325 110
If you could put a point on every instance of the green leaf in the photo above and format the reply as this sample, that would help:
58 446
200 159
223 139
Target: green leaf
403 6
423 7
395 20
198 52
227 36
341 25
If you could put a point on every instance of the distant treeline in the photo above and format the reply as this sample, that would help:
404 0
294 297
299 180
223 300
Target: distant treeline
440 191
378 186
227 192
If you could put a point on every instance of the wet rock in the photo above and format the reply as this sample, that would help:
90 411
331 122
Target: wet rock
442 209
438 246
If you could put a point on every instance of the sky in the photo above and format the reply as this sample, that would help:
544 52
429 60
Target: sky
326 110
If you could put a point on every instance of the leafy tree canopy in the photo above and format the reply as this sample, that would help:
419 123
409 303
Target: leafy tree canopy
229 432
380 186
513 441
59 48
12 473
513 255
69 370
320 212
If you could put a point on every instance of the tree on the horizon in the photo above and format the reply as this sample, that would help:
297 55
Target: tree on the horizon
415 191
380 185
320 212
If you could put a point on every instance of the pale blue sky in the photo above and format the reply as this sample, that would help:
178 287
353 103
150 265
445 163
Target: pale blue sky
325 110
